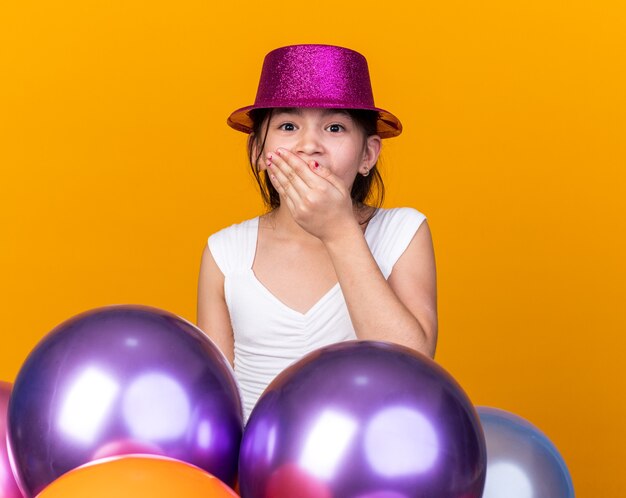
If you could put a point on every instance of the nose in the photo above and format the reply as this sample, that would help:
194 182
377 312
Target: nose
309 142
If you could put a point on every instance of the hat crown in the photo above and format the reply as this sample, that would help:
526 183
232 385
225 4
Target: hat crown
314 76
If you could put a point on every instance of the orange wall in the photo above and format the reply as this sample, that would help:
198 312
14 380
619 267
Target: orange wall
116 164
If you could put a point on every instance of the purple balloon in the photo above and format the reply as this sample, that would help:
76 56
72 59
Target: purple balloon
363 419
8 484
121 380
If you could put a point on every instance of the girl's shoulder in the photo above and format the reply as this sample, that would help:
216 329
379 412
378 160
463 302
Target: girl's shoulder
397 218
236 228
233 247
390 232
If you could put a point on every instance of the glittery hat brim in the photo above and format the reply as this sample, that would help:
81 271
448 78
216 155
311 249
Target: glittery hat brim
387 125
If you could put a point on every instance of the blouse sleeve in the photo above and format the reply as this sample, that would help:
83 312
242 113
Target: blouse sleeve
233 248
218 246
392 235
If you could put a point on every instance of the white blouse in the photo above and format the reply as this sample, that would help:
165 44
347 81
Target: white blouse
269 335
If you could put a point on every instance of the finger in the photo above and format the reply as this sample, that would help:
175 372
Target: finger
282 191
298 164
325 173
287 173
282 184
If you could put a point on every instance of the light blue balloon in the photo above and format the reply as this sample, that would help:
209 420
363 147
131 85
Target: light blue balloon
521 461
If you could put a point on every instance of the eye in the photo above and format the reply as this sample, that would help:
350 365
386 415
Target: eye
287 127
335 128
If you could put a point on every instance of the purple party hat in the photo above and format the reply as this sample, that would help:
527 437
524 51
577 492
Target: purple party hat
315 76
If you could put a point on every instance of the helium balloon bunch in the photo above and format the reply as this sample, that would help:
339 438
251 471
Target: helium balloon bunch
135 401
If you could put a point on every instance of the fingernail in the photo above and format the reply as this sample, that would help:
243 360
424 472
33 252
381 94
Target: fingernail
278 151
317 165
269 164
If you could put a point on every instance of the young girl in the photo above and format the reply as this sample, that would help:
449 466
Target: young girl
325 263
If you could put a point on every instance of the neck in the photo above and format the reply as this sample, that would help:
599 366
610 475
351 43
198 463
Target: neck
284 225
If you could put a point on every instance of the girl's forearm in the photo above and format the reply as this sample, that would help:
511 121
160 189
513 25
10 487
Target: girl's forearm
375 310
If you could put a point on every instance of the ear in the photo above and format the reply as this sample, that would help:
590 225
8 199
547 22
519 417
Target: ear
255 151
373 145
